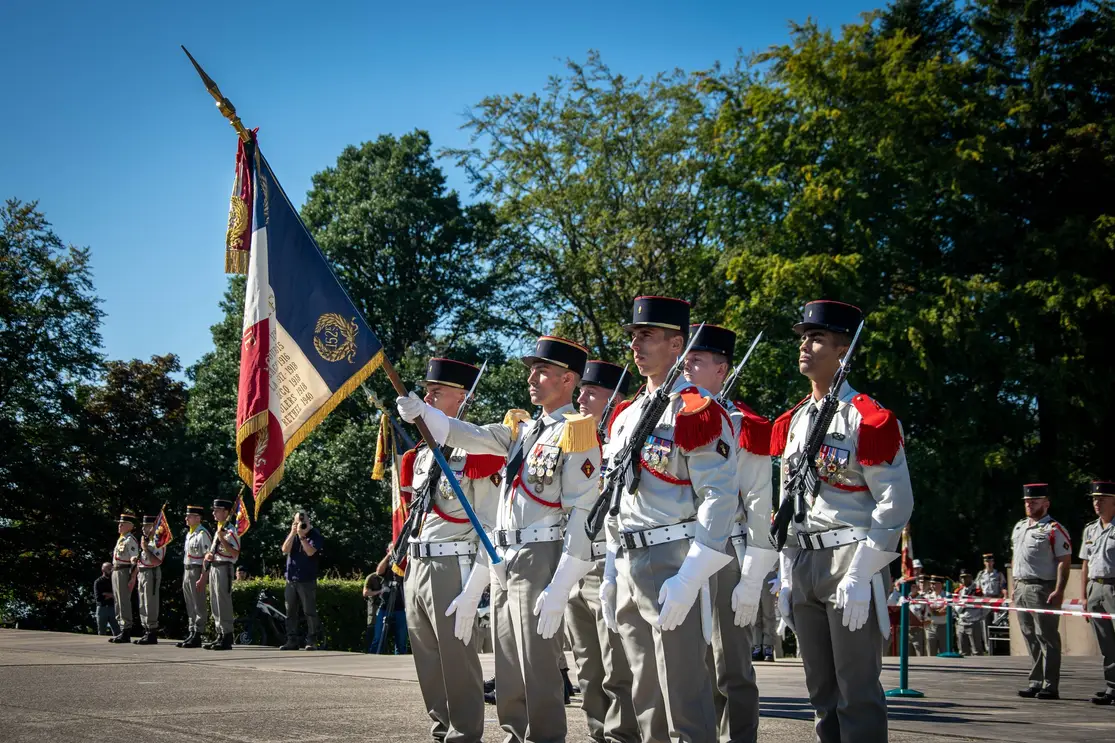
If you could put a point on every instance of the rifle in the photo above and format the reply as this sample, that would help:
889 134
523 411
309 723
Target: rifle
725 396
804 480
424 503
625 471
602 428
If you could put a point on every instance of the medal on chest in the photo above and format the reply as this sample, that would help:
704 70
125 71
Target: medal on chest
541 465
832 464
656 453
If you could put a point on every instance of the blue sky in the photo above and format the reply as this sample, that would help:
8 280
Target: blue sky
107 125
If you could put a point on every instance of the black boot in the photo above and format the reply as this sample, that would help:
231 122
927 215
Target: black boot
212 643
182 643
193 641
125 636
148 638
225 643
568 689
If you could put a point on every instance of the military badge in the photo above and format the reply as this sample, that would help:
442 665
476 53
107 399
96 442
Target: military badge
541 465
832 463
722 448
588 468
497 479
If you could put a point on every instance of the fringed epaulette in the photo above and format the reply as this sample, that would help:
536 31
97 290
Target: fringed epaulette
880 437
513 418
406 469
480 466
754 431
621 406
579 434
780 431
698 423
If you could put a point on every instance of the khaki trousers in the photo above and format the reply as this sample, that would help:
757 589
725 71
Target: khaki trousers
193 599
729 660
150 580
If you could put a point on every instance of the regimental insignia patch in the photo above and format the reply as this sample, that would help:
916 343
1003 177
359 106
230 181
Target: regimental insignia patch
723 449
588 468
497 479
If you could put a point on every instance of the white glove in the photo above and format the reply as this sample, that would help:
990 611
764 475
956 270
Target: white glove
608 592
786 590
550 606
775 585
465 605
411 408
745 598
678 593
853 593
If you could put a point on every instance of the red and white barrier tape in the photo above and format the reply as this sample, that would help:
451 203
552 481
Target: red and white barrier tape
1075 607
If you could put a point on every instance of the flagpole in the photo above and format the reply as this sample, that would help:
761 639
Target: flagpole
224 105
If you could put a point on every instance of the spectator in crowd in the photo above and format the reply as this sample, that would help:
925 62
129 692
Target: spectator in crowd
919 615
993 585
302 547
106 604
391 619
242 573
765 628
969 619
373 590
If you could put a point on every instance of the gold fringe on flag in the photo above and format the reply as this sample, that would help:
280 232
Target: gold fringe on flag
384 446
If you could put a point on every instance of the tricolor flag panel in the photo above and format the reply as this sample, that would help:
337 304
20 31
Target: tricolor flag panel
304 346
163 534
238 518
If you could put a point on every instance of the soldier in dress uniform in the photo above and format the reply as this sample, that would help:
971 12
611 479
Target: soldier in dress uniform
993 585
1098 576
935 628
123 558
969 619
1040 568
670 536
603 672
739 586
197 544
548 486
446 574
919 615
221 560
149 562
847 534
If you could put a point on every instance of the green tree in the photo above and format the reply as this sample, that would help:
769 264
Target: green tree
50 522
599 183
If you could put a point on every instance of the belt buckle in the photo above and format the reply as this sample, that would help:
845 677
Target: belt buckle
501 538
628 540
518 536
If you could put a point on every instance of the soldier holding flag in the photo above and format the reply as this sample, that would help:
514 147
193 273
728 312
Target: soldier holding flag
149 562
446 574
221 560
549 483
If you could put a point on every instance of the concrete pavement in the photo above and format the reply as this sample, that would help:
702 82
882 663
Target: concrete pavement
63 687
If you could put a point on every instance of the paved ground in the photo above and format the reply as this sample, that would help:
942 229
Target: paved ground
60 687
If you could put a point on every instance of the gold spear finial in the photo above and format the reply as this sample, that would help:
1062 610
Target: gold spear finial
224 105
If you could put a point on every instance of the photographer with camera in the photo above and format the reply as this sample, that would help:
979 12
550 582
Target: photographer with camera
302 547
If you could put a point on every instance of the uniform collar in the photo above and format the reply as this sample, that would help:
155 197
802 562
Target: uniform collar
551 418
1043 520
846 395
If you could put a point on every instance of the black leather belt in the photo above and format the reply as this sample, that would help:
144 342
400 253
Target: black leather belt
1103 581
1035 581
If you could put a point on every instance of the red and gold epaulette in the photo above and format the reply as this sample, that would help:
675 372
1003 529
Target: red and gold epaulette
780 431
699 422
754 431
406 469
880 437
480 466
621 406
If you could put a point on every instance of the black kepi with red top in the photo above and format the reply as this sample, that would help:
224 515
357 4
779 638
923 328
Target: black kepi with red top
607 375
560 352
714 339
826 314
451 373
660 312
1035 490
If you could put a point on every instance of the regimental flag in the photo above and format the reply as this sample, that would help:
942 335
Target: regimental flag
907 553
304 345
238 517
163 535
238 238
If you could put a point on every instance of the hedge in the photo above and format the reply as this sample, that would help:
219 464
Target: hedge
341 608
